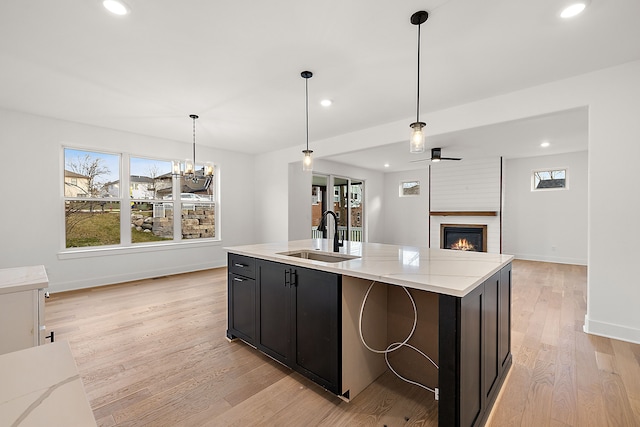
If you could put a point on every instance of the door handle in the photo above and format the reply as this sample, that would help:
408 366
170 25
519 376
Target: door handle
287 277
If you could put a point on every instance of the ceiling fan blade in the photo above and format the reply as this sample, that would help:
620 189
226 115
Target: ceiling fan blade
420 160
450 158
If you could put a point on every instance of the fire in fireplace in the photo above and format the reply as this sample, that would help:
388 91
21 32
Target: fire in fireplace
463 237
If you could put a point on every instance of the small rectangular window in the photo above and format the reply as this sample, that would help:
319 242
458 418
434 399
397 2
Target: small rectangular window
549 179
409 188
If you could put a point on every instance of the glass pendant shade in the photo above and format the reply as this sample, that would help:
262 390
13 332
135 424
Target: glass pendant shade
307 161
416 142
189 167
175 167
208 169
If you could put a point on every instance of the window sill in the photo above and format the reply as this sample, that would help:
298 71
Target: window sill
76 253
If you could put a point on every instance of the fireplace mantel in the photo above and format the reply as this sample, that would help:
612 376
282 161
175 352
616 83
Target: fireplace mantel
463 213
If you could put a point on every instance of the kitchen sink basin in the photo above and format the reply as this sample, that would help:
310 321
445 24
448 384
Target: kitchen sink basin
319 256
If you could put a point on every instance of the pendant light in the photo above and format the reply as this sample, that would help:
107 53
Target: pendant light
416 143
307 161
189 172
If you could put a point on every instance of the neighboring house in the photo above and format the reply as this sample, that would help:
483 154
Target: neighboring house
141 187
75 184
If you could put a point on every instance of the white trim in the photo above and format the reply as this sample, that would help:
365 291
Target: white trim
610 330
566 179
99 251
401 188
557 260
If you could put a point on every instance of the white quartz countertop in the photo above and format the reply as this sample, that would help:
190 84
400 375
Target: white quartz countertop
40 386
442 271
19 279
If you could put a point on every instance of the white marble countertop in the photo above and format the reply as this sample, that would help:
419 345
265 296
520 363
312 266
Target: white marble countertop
19 279
442 271
40 386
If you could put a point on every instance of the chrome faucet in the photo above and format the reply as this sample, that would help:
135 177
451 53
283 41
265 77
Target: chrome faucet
322 226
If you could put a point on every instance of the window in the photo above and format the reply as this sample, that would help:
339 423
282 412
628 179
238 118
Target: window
409 188
549 179
92 215
151 216
103 207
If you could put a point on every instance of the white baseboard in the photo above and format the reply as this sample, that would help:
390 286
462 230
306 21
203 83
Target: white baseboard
610 330
128 277
547 258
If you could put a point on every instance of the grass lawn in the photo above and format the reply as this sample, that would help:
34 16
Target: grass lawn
100 229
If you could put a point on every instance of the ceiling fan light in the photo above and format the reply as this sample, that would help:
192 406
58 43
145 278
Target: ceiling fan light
117 7
416 142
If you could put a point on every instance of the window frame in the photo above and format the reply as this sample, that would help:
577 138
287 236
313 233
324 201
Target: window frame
126 245
554 169
401 188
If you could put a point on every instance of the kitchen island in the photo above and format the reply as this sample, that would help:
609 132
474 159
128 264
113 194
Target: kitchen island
303 305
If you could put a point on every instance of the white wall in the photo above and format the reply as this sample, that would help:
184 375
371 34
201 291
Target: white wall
32 219
613 98
548 225
406 219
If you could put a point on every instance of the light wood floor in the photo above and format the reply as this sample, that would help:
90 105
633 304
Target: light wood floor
154 353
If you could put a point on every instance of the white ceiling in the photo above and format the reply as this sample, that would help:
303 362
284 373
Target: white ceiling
565 132
237 63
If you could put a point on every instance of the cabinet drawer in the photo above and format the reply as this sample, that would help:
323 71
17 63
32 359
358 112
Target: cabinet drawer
242 265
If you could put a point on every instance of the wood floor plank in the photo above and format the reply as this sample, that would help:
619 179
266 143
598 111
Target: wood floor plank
154 353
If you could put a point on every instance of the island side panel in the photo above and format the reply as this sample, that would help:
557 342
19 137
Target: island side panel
360 366
473 331
406 361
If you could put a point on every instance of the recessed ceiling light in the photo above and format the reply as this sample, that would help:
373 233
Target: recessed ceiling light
386 165
573 9
117 7
545 144
326 102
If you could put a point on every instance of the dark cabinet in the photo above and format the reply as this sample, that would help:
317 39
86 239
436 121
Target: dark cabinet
274 309
317 327
241 289
475 350
290 313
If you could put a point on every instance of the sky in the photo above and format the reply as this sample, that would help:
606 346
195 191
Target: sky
139 166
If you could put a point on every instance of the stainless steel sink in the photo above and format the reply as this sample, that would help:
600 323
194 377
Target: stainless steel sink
319 256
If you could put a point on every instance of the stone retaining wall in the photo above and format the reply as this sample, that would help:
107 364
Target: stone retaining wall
197 223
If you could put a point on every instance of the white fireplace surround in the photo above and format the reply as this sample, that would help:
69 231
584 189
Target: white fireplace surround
459 189
492 223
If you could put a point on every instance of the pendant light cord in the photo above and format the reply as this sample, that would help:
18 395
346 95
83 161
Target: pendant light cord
306 97
194 145
418 97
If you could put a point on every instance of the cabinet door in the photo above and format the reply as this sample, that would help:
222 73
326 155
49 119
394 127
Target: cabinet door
242 307
18 321
490 333
504 325
274 310
471 361
317 322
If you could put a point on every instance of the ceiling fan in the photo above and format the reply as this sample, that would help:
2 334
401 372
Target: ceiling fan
436 156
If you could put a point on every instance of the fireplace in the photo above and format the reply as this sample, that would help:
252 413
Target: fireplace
463 237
